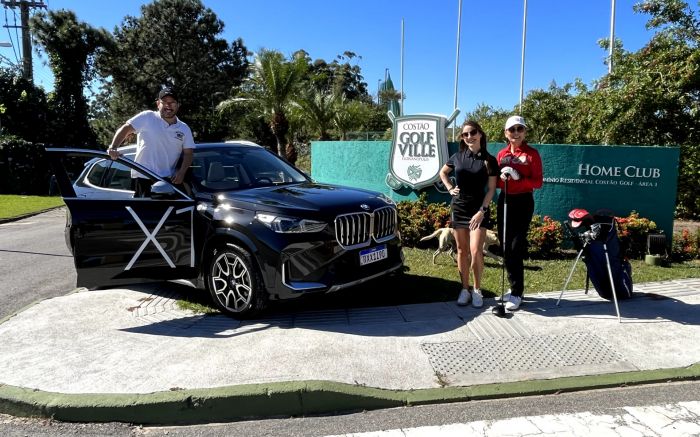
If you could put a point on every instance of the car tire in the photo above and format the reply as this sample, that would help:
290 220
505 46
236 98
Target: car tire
234 282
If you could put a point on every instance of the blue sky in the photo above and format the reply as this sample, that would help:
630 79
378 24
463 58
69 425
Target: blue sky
561 41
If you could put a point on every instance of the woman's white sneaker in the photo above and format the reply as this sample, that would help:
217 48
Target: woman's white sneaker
477 298
506 297
464 297
514 303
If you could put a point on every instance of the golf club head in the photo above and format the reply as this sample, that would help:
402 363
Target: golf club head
499 311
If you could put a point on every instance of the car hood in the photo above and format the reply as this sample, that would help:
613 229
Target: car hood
310 197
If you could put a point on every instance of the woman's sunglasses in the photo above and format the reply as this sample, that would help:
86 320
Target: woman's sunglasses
514 129
470 133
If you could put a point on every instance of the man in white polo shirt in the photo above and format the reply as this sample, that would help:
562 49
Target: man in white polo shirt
160 140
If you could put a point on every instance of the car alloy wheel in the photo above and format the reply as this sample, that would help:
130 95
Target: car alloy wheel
234 283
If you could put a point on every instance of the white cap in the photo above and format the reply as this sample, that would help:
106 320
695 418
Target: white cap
515 120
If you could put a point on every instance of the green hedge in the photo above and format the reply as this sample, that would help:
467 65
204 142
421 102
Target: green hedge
23 167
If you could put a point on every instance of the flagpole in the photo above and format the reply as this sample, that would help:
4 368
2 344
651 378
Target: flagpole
612 37
459 29
522 63
402 47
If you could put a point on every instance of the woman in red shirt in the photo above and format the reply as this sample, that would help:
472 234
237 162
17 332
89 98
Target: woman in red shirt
521 170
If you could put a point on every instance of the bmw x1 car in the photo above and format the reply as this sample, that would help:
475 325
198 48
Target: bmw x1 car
247 226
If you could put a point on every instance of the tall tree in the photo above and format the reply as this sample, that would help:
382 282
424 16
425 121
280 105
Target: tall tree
352 115
491 121
338 77
23 107
269 91
547 113
378 121
317 108
174 43
653 95
71 47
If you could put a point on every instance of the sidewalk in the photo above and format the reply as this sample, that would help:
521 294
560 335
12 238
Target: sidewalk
131 355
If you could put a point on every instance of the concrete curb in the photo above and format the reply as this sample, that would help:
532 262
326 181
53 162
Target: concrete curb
283 399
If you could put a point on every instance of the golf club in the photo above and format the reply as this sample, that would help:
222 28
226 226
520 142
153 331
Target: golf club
500 310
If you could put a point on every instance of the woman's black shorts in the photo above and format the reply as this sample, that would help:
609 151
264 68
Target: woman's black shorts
462 210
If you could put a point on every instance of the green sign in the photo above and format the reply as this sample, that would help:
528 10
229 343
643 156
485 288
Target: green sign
620 179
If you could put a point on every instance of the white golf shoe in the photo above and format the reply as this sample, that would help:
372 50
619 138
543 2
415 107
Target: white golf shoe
514 303
477 298
464 297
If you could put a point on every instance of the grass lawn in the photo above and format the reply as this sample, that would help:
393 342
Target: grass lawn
15 205
540 275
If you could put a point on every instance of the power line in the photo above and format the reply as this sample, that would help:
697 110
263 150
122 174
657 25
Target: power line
24 7
9 35
19 58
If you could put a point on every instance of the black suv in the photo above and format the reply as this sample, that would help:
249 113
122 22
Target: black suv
247 226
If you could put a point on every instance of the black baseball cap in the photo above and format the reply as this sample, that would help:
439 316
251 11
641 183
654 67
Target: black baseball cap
167 92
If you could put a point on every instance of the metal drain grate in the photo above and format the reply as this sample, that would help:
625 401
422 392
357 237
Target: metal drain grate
515 354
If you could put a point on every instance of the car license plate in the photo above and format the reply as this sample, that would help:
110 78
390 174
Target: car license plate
368 256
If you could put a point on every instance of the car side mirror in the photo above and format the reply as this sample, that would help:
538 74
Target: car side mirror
162 191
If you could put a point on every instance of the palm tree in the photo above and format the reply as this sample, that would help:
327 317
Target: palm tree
350 115
269 90
318 109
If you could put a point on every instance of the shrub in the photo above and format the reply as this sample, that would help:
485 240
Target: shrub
23 167
419 218
544 236
686 245
633 231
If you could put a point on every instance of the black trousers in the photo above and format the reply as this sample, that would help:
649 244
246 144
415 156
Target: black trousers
520 210
141 187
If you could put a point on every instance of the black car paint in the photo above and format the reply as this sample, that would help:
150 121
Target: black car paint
108 235
307 257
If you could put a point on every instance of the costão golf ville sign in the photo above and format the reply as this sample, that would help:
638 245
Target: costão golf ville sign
418 151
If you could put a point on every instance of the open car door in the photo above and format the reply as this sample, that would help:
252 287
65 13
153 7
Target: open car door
117 241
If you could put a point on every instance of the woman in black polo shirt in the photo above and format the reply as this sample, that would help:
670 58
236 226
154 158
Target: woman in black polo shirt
475 173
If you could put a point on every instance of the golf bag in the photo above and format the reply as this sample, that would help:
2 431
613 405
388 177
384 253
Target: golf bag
602 254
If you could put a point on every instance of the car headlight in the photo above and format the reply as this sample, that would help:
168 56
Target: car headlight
290 225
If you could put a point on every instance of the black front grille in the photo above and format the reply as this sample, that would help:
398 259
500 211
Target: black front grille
384 224
357 229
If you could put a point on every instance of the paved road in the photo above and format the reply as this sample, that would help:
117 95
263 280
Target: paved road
35 263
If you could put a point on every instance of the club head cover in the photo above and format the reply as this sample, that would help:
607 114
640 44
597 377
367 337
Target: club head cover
508 171
580 216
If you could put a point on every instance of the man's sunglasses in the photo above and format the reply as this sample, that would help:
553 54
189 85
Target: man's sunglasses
514 129
470 133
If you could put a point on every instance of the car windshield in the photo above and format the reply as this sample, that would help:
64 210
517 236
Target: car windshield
233 168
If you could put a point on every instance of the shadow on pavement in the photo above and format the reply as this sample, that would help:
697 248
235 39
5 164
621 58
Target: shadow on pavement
380 308
643 307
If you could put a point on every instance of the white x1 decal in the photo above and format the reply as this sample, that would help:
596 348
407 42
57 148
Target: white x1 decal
149 237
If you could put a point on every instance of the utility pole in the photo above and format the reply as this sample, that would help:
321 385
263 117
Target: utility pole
24 6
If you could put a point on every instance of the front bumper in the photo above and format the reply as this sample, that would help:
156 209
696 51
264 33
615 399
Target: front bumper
326 267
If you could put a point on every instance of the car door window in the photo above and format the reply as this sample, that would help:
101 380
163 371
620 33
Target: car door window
106 173
97 173
118 177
